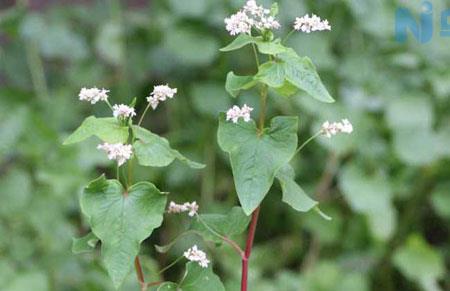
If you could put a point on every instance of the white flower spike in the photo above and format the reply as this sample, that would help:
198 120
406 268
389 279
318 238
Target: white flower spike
160 93
191 207
195 255
123 111
93 95
329 129
234 113
250 16
310 24
119 152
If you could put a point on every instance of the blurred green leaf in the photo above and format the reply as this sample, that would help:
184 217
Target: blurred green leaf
233 223
440 199
420 263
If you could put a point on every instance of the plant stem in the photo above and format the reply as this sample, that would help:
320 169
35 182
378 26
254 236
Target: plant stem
263 103
248 249
287 36
143 114
224 238
170 265
255 52
118 172
140 273
308 141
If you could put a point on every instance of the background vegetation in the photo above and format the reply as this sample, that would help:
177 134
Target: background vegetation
386 186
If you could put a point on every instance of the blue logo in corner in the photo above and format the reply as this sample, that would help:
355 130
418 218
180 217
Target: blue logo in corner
422 27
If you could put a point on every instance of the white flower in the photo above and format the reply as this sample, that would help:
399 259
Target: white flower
195 255
160 93
238 23
119 152
123 111
234 113
308 24
329 129
93 95
191 207
251 15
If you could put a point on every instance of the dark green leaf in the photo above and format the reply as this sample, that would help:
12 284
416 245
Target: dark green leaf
84 244
293 194
302 73
107 129
155 151
122 219
234 84
256 157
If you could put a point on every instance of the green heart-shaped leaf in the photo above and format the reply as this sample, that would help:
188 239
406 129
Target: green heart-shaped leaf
152 150
122 220
107 129
256 157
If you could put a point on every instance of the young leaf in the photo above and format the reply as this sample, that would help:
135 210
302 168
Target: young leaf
107 129
293 194
240 41
154 151
270 47
233 223
257 157
287 89
272 74
274 9
84 244
234 84
302 73
196 278
122 220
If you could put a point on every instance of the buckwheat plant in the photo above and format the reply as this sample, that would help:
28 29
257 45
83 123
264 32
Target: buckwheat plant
121 213
259 152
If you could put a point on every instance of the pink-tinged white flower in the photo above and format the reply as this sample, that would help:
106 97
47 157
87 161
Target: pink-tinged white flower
234 113
310 24
123 111
119 152
190 207
195 255
238 23
251 16
329 129
160 93
93 95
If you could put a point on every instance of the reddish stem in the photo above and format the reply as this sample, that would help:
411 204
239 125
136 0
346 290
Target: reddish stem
140 273
248 249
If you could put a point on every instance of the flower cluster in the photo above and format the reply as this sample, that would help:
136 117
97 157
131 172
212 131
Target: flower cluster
119 152
195 255
234 113
251 15
329 129
160 93
93 95
309 24
192 207
123 111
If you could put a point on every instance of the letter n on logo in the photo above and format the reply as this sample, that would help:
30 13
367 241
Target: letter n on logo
422 30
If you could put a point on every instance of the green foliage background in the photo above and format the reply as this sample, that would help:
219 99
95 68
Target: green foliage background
387 186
